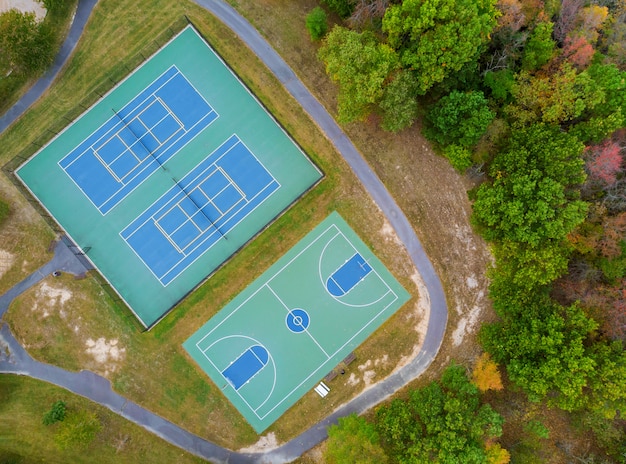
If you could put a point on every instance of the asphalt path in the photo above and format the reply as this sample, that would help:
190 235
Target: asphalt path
16 360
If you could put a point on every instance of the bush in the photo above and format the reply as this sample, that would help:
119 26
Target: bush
460 157
316 23
56 413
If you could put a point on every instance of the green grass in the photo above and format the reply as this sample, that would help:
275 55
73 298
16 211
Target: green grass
154 371
24 438
13 86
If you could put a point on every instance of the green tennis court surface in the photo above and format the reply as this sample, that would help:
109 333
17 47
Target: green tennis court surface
296 322
168 175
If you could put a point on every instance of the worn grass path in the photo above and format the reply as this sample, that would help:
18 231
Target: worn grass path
99 389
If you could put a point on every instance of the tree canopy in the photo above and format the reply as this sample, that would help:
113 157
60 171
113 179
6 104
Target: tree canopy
360 64
435 38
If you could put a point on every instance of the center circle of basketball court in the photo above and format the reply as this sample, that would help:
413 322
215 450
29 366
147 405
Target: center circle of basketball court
297 320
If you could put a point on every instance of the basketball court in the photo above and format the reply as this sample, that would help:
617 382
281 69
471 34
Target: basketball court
296 322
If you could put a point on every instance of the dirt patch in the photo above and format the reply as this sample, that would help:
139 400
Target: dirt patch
105 352
51 298
25 6
266 442
6 261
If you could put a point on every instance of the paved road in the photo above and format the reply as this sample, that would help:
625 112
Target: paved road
98 389
78 24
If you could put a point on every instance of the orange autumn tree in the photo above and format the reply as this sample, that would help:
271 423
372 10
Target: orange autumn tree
486 375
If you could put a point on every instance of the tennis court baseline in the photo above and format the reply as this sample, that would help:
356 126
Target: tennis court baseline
170 174
290 327
138 139
199 210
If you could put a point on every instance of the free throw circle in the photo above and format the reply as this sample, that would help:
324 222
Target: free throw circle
297 320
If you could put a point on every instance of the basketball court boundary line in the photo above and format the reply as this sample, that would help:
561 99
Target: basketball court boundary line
314 372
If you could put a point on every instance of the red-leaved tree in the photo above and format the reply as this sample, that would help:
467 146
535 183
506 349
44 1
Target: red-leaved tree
578 51
604 162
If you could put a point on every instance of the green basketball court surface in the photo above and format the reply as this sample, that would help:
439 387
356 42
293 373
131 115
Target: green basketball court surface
168 175
296 322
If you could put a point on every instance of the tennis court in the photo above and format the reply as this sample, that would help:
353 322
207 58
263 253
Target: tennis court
296 322
168 175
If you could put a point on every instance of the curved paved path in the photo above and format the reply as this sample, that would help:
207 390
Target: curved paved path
83 11
98 389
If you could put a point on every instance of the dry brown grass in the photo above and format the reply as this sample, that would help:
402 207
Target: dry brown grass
154 370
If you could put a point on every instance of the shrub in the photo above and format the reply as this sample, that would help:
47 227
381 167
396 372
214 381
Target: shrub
316 23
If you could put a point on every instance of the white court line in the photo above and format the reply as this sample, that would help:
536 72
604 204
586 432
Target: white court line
374 271
143 166
220 371
321 235
288 310
228 222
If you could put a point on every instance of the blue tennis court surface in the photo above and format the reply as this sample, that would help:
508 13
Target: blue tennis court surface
199 210
169 175
137 139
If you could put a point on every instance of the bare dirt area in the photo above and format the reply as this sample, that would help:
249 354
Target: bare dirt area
26 6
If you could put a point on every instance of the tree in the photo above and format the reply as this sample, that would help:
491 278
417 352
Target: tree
343 8
316 23
543 347
436 38
399 103
56 413
568 14
442 422
353 440
460 118
539 48
555 98
360 65
486 375
531 200
26 46
604 162
578 51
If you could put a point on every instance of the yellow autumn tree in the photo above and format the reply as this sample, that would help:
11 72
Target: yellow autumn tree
496 454
486 375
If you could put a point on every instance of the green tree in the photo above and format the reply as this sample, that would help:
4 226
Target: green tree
399 102
554 99
543 347
316 23
539 48
435 38
460 118
353 440
460 157
26 46
532 198
361 65
443 422
343 8
56 413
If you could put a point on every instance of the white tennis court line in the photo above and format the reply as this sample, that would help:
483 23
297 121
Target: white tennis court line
228 222
191 128
337 233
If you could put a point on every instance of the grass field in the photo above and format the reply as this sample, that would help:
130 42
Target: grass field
24 439
144 359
